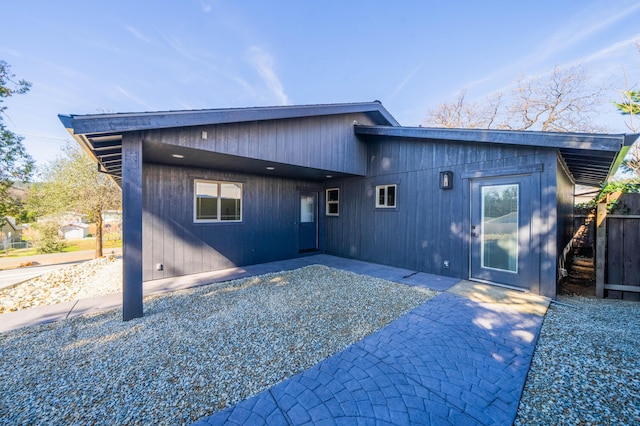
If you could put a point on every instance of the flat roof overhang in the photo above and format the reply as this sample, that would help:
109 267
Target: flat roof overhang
100 135
163 153
591 158
108 155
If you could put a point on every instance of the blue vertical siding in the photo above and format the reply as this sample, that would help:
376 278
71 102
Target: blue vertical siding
565 202
324 142
267 232
429 225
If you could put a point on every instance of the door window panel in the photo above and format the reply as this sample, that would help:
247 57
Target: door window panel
499 220
307 209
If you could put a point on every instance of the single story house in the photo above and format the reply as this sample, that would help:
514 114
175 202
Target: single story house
71 225
74 231
64 218
204 190
111 216
10 232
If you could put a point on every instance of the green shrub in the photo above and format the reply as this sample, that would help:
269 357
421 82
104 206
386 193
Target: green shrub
45 239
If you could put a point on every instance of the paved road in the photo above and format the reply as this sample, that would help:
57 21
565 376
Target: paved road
11 274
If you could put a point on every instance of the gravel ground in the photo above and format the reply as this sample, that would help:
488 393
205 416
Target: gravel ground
195 352
586 366
88 279
252 333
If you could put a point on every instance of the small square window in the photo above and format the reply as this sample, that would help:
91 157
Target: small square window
385 196
333 202
217 201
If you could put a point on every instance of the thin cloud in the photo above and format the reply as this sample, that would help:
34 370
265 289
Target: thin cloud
40 136
583 28
197 57
586 25
206 7
10 52
177 45
612 50
264 64
104 46
585 31
405 81
137 34
134 98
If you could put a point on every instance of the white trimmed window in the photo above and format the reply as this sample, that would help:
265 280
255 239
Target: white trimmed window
217 201
333 202
385 196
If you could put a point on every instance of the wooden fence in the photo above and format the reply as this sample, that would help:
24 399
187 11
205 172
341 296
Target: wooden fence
618 248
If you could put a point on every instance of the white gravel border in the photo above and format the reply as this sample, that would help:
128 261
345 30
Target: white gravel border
88 279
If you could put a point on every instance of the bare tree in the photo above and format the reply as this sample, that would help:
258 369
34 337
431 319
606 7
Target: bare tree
462 113
561 101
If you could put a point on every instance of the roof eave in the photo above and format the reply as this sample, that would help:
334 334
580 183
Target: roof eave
86 146
128 122
584 141
588 146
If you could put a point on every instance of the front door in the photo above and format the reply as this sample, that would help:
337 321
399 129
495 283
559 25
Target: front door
308 228
501 231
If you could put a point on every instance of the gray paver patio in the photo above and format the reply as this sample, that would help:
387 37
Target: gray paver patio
460 358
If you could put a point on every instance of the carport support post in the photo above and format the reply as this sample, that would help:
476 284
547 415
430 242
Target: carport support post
132 226
601 247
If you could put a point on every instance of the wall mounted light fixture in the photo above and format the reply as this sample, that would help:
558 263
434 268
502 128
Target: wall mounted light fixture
446 180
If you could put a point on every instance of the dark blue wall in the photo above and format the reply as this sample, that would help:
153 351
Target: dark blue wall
323 142
270 205
565 201
268 230
430 225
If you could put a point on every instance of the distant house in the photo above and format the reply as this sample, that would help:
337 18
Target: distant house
74 231
10 233
210 189
72 225
112 216
64 218
112 223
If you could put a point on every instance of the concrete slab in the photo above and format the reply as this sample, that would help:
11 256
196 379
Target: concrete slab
434 282
34 316
96 304
487 295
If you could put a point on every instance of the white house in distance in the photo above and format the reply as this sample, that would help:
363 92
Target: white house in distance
74 231
72 225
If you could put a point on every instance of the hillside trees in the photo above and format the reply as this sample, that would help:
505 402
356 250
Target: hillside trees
72 182
16 165
561 101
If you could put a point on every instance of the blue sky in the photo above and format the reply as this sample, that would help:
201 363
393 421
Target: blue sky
86 57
